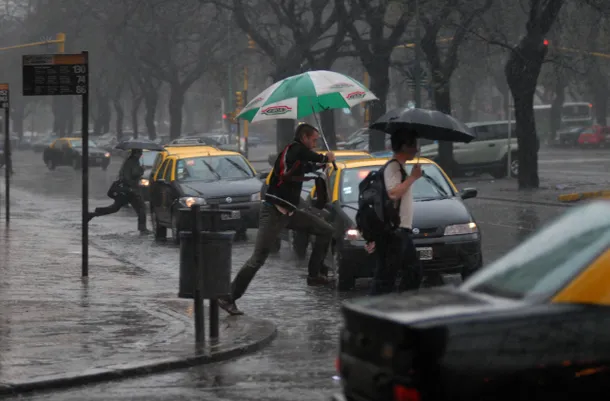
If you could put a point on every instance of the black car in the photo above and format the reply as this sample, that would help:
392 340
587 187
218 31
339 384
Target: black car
68 152
445 233
532 325
146 161
222 178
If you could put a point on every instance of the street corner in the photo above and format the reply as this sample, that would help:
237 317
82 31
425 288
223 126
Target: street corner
155 337
579 196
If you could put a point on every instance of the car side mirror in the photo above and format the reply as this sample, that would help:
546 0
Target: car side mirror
468 193
160 180
263 174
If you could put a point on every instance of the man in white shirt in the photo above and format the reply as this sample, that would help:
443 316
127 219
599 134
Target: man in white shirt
396 251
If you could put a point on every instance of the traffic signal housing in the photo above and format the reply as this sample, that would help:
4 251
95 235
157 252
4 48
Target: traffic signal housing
251 43
239 100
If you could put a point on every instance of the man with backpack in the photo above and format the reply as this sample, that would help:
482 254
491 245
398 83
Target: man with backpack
280 210
385 218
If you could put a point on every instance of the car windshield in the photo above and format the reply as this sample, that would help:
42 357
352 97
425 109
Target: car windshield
213 168
78 143
435 186
148 158
547 262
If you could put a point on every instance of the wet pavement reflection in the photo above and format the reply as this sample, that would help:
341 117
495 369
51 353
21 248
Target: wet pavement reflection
299 364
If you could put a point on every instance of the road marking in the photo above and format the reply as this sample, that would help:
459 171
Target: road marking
571 161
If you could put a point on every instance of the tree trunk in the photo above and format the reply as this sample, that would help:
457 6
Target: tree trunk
120 116
380 85
522 71
442 101
598 83
151 100
174 108
135 110
60 125
556 108
327 120
189 116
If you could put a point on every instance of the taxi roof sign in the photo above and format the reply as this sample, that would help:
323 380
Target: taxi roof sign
3 87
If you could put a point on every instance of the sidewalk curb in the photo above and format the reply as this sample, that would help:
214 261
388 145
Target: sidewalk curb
259 341
578 196
524 201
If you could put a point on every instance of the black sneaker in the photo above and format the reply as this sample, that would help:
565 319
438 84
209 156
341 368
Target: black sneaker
324 270
317 281
229 307
145 232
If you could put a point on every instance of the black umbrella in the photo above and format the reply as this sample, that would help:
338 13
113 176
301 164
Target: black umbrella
429 124
142 144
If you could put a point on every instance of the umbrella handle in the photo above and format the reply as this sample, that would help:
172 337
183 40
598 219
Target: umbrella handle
322 133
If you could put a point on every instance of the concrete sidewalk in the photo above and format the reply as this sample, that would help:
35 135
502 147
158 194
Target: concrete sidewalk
58 330
548 193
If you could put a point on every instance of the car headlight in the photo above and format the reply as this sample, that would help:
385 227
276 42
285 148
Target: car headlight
255 197
189 201
352 235
144 182
107 154
460 229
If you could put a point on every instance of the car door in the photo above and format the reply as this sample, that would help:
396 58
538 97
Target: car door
54 151
477 151
156 189
67 153
165 189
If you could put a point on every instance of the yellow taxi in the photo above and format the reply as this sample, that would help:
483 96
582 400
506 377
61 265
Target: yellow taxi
445 233
68 152
205 177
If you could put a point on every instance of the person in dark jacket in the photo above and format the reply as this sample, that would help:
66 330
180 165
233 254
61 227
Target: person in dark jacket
130 174
279 210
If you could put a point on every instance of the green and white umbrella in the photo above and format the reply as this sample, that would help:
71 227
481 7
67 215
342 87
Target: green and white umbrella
304 94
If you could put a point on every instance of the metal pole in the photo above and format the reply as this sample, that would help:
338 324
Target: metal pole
417 94
198 298
85 171
229 75
508 145
8 160
214 309
245 103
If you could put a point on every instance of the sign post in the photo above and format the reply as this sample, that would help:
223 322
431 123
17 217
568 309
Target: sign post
8 160
63 75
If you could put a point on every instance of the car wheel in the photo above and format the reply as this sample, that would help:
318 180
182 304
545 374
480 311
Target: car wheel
300 241
104 167
345 279
514 165
175 230
50 164
160 231
75 164
470 270
277 245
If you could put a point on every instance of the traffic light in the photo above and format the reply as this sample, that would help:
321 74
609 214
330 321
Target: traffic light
239 100
224 116
545 42
251 43
61 42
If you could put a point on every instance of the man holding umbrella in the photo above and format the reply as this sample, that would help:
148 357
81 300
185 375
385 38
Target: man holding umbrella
279 210
125 189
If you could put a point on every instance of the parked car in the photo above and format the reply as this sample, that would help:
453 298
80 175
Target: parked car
488 152
530 326
595 135
445 233
209 178
68 152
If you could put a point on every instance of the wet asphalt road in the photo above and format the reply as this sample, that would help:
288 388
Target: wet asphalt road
299 365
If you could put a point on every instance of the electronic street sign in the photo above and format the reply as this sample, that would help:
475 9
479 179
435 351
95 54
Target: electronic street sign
55 74
4 96
60 75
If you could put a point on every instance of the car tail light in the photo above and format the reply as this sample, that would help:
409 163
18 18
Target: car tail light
402 393
338 365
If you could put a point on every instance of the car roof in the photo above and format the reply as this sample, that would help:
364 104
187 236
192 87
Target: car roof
345 152
183 150
72 138
377 161
214 152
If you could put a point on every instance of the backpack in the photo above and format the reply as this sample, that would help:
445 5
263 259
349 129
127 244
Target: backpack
377 214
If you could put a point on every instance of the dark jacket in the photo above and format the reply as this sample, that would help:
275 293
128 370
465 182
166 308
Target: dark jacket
131 172
288 174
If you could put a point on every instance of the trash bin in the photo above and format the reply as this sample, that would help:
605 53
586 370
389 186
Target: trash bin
216 248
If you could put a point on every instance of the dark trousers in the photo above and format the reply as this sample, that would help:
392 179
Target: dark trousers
396 253
136 202
271 223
